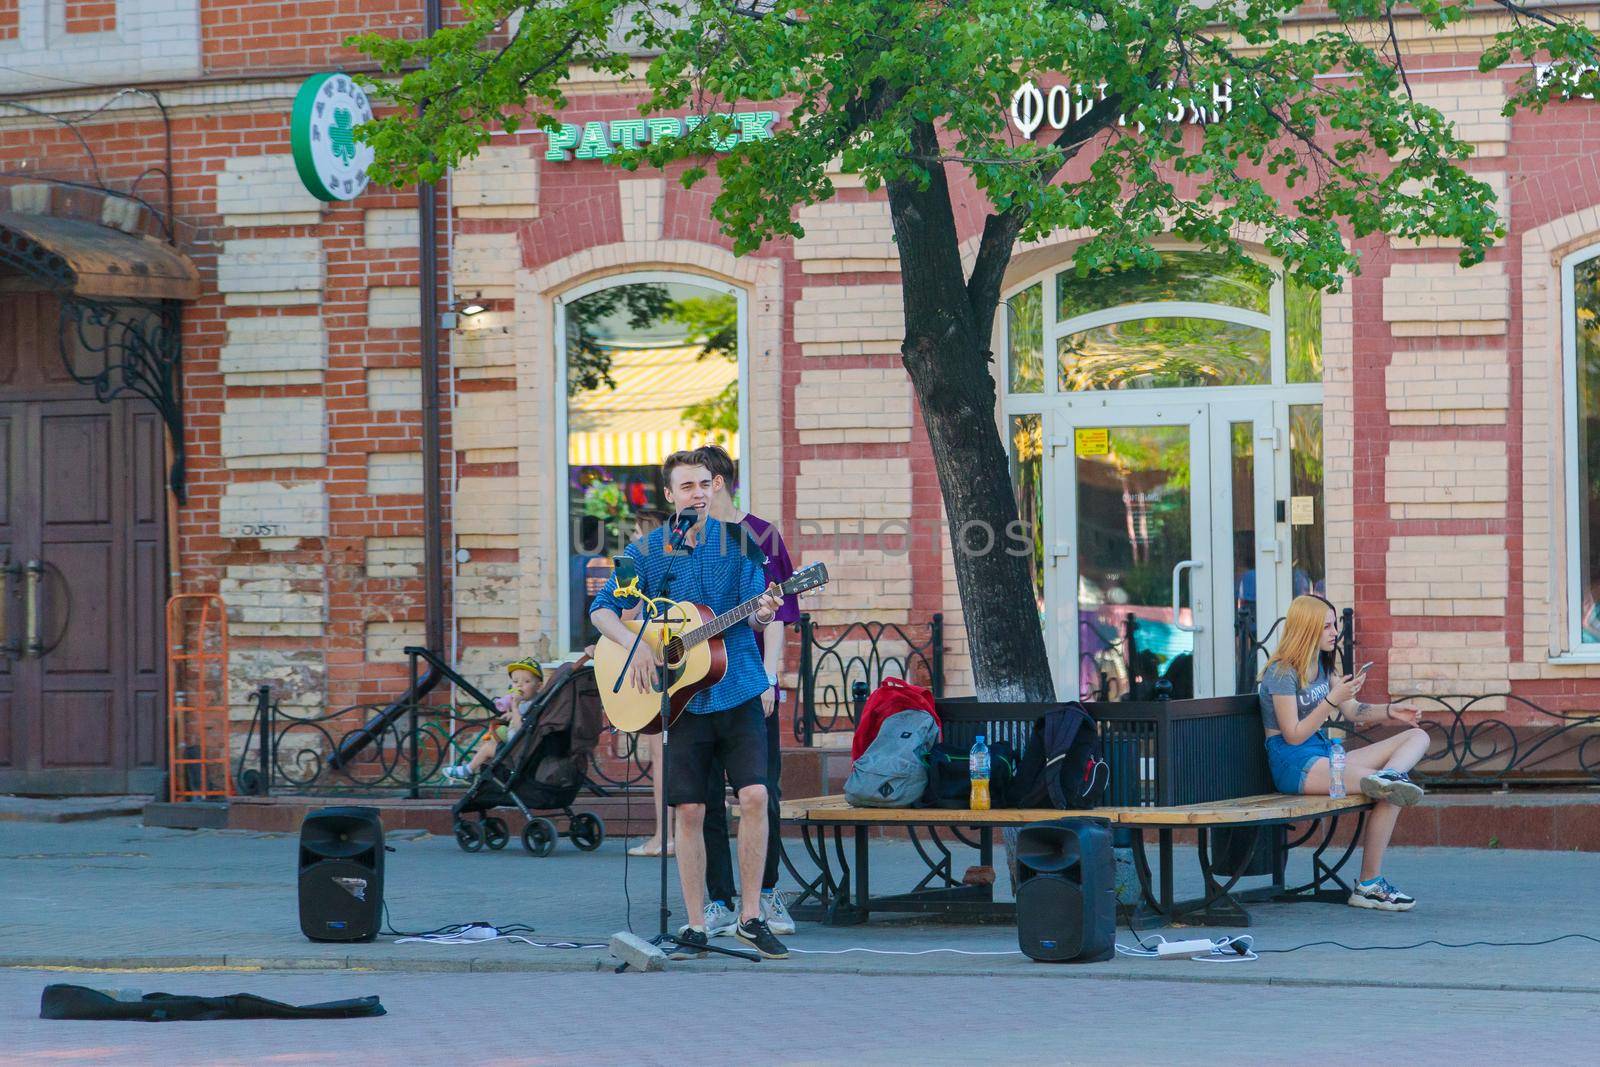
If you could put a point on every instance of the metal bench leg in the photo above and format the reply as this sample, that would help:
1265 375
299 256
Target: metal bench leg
1324 875
1165 839
863 901
1219 907
810 888
844 911
1141 867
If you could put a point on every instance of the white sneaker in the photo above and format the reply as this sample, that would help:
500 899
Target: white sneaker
720 920
457 772
1380 895
775 913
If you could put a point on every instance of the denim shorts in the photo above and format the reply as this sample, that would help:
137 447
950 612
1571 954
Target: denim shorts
1291 763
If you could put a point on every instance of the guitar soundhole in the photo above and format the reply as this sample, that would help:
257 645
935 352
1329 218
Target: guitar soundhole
674 651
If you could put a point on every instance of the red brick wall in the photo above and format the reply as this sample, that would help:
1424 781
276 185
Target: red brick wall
91 16
251 35
8 20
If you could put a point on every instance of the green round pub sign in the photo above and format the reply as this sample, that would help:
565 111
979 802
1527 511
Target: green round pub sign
331 161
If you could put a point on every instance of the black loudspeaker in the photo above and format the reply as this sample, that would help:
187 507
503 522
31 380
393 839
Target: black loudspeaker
341 874
1067 897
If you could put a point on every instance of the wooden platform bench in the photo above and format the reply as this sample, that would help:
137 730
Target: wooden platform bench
1162 751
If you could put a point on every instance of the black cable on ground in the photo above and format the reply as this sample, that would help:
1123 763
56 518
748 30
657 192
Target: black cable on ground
443 931
1431 941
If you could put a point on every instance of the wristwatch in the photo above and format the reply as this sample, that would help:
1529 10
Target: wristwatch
772 680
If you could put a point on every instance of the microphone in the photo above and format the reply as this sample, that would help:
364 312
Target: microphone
683 522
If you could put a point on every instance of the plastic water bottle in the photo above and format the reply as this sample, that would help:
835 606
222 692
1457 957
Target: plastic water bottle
1336 769
978 769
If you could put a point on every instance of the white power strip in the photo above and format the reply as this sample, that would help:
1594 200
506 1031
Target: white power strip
1185 950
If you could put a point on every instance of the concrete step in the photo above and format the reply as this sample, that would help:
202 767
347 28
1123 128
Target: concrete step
68 809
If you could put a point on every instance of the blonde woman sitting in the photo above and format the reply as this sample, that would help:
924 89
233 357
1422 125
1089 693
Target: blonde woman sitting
1299 694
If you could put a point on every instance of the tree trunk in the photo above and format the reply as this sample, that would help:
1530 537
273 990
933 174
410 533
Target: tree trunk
946 353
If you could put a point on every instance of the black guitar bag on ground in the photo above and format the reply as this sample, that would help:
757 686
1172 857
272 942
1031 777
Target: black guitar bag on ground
81 1002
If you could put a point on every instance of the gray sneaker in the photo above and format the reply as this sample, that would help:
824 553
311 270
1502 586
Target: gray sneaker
1392 786
775 913
721 921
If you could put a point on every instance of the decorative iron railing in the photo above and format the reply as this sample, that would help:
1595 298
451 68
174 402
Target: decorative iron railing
402 747
1475 743
834 660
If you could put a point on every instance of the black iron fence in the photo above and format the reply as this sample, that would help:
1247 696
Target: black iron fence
1476 742
836 661
398 748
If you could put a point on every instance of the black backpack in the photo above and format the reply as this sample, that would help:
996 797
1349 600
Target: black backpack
1062 766
950 776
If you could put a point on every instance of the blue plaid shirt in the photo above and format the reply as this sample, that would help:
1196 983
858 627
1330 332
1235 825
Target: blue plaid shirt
718 574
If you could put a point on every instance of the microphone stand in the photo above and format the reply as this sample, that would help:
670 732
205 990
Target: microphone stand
652 613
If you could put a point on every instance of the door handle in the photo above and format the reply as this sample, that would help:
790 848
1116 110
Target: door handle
1177 580
32 577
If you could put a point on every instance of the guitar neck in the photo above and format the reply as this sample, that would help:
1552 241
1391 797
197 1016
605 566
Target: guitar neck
706 631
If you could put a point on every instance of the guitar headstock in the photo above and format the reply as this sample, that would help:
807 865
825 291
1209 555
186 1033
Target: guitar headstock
808 577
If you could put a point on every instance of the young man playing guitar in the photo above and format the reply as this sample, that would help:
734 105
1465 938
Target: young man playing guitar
764 544
724 723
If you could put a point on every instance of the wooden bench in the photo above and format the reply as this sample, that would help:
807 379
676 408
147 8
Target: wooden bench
1155 754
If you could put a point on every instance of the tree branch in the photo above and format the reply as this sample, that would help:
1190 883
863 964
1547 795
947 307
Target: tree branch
1000 230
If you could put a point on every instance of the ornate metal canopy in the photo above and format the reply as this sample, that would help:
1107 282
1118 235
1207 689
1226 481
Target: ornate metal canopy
121 320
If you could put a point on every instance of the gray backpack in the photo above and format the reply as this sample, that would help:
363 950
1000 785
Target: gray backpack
893 771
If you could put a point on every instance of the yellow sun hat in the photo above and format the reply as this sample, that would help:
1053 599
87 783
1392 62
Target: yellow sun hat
529 664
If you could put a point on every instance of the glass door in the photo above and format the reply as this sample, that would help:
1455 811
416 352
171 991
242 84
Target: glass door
1164 576
1133 483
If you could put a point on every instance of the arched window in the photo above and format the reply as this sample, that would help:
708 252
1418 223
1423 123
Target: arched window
653 366
1195 319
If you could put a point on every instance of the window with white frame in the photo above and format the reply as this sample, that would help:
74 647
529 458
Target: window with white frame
1580 274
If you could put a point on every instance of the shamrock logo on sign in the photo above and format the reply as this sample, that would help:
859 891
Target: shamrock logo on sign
342 135
324 134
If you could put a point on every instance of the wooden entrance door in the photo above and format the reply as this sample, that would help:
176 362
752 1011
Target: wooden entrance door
81 530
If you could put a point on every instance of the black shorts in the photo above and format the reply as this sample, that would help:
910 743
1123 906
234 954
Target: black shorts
737 737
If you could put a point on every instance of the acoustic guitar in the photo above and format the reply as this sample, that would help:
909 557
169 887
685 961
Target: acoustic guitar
689 637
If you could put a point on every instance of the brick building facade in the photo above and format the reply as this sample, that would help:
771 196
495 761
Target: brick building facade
1444 508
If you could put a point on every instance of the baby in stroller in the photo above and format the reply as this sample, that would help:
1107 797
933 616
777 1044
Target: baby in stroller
527 679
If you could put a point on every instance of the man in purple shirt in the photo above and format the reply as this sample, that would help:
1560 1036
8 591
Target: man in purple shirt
763 543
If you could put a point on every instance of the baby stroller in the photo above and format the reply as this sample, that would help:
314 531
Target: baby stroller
541 767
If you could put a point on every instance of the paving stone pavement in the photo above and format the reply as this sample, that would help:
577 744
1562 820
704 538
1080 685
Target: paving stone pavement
114 893
596 1020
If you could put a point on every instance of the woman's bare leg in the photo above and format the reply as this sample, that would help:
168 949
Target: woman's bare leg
653 755
1401 752
1380 827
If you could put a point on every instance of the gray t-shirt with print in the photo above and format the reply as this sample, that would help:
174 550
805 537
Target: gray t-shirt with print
1278 678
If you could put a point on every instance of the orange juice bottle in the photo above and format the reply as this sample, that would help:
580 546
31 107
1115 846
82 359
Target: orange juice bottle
978 770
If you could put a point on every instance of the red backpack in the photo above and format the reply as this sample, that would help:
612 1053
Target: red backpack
894 695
